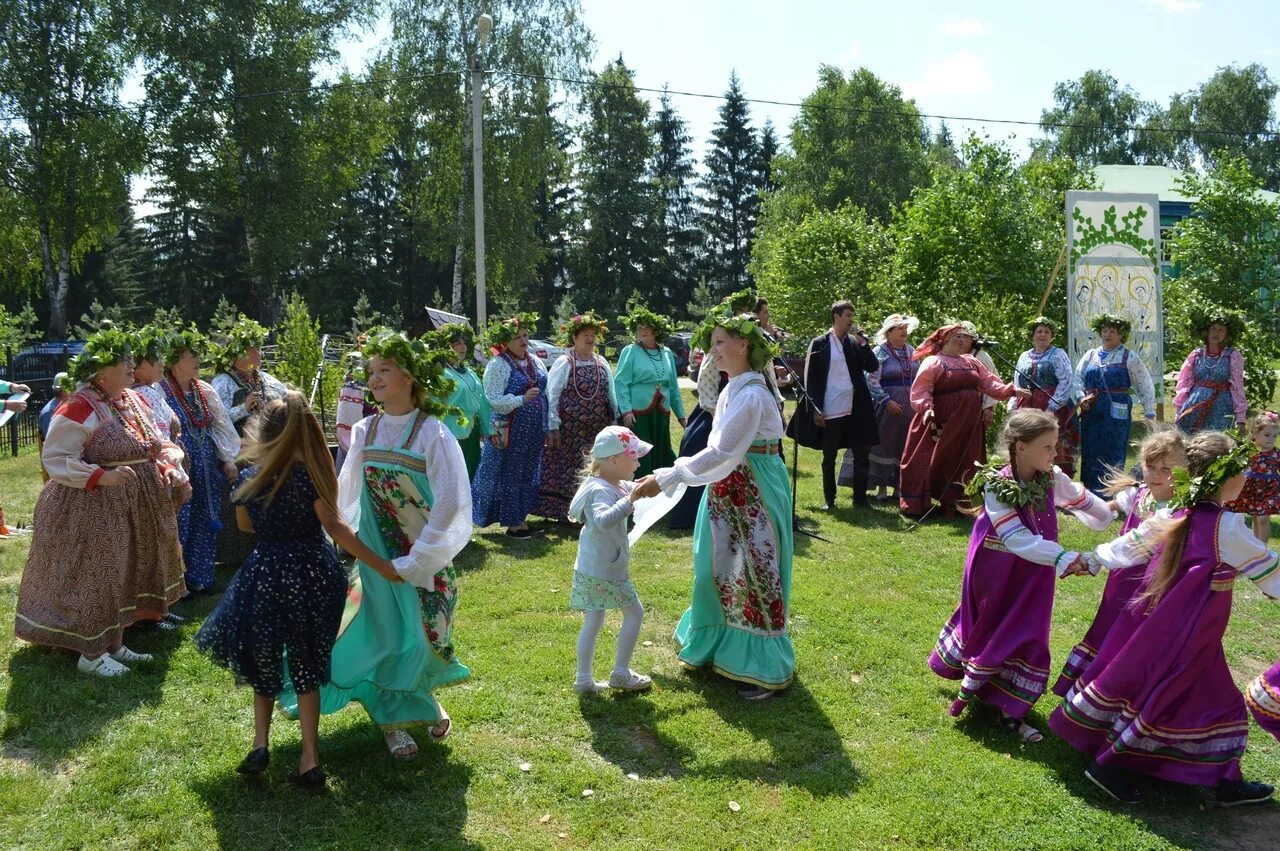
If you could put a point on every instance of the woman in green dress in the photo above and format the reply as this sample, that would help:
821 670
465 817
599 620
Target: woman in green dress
404 488
647 387
739 620
473 420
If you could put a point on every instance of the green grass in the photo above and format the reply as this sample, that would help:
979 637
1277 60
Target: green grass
860 753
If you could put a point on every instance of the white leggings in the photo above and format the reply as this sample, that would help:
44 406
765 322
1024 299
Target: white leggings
627 637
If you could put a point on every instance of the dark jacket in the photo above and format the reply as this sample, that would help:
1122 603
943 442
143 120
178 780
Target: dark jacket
860 360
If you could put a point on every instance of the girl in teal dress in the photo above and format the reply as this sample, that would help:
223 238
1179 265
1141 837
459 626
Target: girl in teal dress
404 488
739 621
474 421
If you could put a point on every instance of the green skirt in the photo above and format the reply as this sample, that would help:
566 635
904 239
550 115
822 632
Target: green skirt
471 451
739 621
655 427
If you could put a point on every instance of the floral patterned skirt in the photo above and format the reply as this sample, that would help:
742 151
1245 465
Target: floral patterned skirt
594 593
742 546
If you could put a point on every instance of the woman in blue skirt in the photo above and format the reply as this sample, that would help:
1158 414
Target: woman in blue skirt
1108 374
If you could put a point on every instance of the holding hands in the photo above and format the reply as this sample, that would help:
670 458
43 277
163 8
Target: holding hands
646 487
1082 565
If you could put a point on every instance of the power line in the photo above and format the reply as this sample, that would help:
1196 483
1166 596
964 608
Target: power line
901 112
140 106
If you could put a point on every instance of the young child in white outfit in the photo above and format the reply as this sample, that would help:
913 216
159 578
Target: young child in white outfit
604 501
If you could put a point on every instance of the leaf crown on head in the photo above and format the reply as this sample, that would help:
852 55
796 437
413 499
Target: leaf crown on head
180 340
991 477
743 301
502 331
1204 314
1189 490
451 331
1041 320
149 343
420 360
744 325
106 347
1111 320
246 334
643 316
582 322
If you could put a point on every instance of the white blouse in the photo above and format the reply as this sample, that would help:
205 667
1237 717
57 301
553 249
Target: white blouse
163 414
1139 377
745 412
709 383
1026 544
558 381
1238 547
496 373
225 439
448 527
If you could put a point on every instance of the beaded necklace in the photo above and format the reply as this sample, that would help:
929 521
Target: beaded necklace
525 366
251 381
903 359
657 361
201 422
573 379
125 409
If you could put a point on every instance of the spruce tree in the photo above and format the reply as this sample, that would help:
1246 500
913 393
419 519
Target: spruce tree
614 253
679 237
730 194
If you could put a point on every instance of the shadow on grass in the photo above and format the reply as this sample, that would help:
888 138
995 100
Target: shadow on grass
373 800
1183 815
807 751
52 709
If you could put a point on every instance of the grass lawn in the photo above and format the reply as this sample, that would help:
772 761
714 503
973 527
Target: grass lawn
860 753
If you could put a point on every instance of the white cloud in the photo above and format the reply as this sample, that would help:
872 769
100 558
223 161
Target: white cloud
968 27
962 73
1176 6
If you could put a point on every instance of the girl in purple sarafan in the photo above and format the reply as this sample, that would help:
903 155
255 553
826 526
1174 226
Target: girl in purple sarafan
1159 698
1137 502
997 642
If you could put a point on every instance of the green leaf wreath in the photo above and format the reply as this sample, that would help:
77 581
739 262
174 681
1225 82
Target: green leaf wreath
744 325
246 334
1189 490
1111 320
1008 489
104 348
179 340
503 331
643 316
425 364
582 322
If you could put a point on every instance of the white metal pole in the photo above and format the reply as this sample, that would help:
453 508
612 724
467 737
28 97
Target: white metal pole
477 168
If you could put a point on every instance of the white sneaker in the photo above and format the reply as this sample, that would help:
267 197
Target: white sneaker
592 686
124 654
103 666
630 681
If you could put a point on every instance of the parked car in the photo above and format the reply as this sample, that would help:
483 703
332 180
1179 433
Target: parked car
679 345
545 351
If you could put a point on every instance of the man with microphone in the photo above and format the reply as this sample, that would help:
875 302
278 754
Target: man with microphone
835 375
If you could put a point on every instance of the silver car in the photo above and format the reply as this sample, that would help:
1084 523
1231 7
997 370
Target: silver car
545 351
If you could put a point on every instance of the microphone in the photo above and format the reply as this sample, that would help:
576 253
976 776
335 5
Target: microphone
984 343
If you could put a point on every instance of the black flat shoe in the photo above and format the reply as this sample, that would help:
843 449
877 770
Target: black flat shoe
1115 783
312 780
256 762
520 533
1234 793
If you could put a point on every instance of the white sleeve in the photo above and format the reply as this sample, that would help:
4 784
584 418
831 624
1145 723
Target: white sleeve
350 411
448 527
730 438
613 390
63 453
1074 497
1135 547
223 432
1126 500
1140 380
496 374
1020 540
557 380
350 478
708 383
1239 548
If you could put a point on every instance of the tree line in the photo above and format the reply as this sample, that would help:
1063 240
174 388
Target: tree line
269 179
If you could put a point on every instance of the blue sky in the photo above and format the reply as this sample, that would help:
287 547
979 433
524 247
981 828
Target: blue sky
990 59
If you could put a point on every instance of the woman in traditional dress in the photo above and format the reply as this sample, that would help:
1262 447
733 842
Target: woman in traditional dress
506 482
648 388
1046 371
997 641
404 489
581 401
743 540
1160 699
1210 392
211 445
243 386
105 552
1107 374
472 424
946 438
890 388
